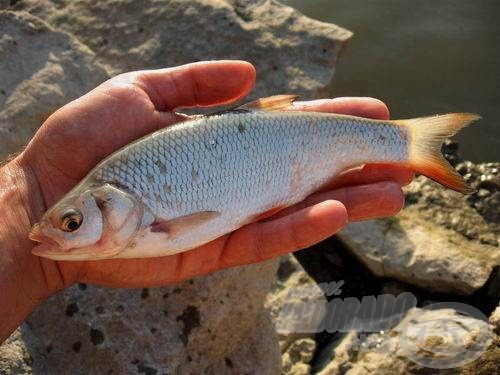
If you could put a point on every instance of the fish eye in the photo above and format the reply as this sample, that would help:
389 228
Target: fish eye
71 220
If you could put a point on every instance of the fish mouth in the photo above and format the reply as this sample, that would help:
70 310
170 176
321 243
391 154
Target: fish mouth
46 247
36 234
49 248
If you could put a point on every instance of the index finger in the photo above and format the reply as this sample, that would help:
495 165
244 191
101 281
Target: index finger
205 83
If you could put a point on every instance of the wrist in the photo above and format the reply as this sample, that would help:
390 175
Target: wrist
25 280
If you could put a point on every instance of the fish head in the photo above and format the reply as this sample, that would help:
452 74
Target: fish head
94 223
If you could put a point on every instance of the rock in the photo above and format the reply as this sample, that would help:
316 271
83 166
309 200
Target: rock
393 287
292 53
495 320
425 341
212 324
187 328
4 4
257 354
35 81
441 240
297 357
15 358
292 286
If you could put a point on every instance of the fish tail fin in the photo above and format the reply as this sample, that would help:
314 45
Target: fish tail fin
427 136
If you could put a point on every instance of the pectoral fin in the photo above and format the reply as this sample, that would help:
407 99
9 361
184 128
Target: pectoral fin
183 223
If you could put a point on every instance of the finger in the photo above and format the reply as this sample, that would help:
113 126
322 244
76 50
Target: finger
372 173
354 106
260 241
362 202
204 83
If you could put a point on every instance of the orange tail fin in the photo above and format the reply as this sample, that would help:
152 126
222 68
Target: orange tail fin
427 135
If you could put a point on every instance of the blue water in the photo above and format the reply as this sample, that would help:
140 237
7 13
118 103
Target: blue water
422 57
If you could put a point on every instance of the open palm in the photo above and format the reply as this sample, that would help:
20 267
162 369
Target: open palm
76 137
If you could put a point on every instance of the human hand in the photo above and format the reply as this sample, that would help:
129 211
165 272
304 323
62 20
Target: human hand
77 136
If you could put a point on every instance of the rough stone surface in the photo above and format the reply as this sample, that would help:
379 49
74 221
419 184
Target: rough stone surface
4 4
15 356
495 320
213 324
429 333
41 69
297 357
441 240
291 52
257 354
476 217
187 328
290 287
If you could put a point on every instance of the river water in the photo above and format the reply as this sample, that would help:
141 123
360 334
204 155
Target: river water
421 58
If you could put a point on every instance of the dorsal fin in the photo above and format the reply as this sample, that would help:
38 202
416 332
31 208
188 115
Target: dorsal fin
270 103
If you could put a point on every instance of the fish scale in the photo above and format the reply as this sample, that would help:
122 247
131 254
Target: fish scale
243 164
279 145
183 186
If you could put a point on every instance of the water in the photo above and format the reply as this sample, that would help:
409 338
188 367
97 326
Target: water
422 57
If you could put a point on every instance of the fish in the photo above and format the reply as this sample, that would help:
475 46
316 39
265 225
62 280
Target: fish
188 184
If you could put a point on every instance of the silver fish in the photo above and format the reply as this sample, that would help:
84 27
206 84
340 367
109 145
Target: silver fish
183 186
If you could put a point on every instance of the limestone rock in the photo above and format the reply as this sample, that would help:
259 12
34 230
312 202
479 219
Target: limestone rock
193 327
257 354
15 358
297 357
425 341
441 240
294 285
292 53
290 287
495 320
41 69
